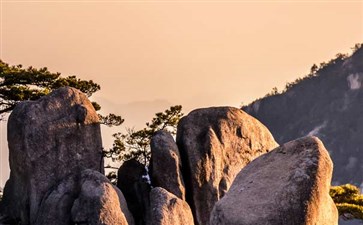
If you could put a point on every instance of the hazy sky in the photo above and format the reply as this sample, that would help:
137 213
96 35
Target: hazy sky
147 55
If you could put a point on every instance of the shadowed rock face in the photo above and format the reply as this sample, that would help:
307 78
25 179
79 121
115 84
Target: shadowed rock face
167 209
135 189
166 164
49 139
215 144
124 207
289 185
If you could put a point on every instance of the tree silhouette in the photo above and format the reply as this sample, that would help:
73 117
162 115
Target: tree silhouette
19 84
136 143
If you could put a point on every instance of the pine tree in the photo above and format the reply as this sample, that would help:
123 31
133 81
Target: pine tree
348 200
19 84
136 143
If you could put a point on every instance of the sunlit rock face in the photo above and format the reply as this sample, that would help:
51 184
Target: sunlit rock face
48 139
289 185
329 106
166 209
215 144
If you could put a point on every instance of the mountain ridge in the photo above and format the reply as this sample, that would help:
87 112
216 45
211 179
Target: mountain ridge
327 103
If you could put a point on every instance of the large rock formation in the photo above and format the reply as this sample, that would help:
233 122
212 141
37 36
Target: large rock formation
56 171
167 209
88 197
289 185
49 139
124 207
135 189
98 202
57 204
215 144
166 164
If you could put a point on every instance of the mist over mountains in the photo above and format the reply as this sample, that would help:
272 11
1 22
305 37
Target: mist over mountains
328 103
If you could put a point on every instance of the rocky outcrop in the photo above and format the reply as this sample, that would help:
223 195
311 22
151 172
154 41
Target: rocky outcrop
49 139
98 202
215 144
167 209
57 204
124 208
57 165
289 185
87 198
135 189
166 164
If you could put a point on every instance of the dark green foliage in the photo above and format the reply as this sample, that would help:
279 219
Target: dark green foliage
136 143
18 84
111 120
274 91
348 200
314 69
112 176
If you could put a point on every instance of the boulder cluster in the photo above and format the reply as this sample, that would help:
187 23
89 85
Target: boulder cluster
224 168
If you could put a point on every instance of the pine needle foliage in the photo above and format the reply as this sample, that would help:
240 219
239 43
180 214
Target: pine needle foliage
136 143
19 84
349 201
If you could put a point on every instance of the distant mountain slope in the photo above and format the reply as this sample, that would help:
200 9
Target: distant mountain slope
328 104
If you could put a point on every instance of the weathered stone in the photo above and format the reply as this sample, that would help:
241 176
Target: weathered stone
56 205
48 139
88 198
124 207
215 144
135 189
98 202
167 209
166 164
289 185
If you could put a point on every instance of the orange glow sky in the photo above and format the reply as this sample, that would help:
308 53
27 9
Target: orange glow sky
194 53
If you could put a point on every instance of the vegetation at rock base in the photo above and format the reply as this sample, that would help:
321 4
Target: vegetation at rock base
348 200
19 84
136 143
